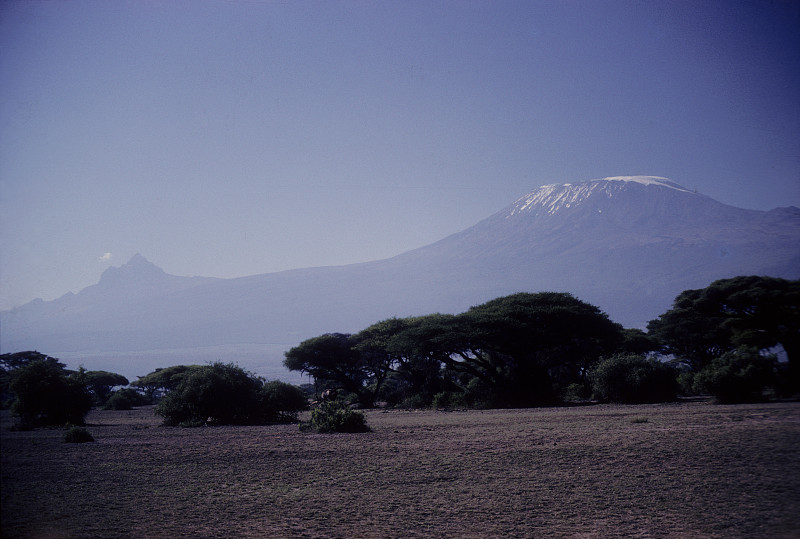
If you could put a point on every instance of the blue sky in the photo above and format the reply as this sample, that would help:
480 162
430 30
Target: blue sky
234 138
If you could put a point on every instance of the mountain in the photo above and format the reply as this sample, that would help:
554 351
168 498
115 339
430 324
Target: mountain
627 244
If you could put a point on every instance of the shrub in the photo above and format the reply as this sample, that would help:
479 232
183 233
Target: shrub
738 376
413 402
281 402
576 393
448 400
686 383
225 394
222 394
335 416
633 379
77 435
125 399
48 395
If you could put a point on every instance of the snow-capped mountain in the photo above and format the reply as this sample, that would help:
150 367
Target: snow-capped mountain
551 199
627 244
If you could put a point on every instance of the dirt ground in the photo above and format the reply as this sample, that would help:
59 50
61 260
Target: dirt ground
674 470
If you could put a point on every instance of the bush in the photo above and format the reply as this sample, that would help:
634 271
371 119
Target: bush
448 400
739 376
335 416
281 402
686 383
48 395
77 435
633 379
413 402
217 394
225 394
576 393
125 399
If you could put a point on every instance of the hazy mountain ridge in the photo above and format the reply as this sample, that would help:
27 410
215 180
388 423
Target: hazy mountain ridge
626 244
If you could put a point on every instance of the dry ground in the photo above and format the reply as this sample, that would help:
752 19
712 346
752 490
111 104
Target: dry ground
676 470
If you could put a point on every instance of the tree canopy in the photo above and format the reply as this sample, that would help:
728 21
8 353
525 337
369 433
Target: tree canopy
47 394
163 380
754 311
100 383
516 350
333 358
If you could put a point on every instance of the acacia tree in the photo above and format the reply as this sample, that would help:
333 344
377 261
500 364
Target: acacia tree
403 351
530 347
516 350
100 383
704 324
11 361
691 332
333 358
163 379
46 394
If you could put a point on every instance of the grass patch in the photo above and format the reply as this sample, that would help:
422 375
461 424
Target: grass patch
77 435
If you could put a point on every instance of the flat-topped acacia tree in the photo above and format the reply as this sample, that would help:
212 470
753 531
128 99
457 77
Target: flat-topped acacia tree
518 350
751 311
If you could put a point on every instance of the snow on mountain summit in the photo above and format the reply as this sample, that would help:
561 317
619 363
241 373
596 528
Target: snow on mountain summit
646 180
549 199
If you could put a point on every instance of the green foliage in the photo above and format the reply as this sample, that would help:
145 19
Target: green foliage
162 381
225 394
281 402
380 360
449 400
48 395
418 346
634 379
77 435
335 416
686 383
738 376
333 358
693 336
577 393
15 360
125 399
636 341
518 350
100 384
704 324
10 362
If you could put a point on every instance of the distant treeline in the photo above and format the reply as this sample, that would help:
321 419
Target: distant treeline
546 348
514 351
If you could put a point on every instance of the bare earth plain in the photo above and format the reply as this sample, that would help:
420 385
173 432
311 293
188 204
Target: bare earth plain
690 469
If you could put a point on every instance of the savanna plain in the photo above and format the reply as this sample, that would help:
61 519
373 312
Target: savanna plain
690 469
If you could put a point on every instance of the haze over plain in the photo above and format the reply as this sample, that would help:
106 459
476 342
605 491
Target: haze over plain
231 139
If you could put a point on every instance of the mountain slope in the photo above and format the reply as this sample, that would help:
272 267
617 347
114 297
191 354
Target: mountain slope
626 244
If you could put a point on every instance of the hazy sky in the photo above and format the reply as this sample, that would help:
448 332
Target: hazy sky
234 138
